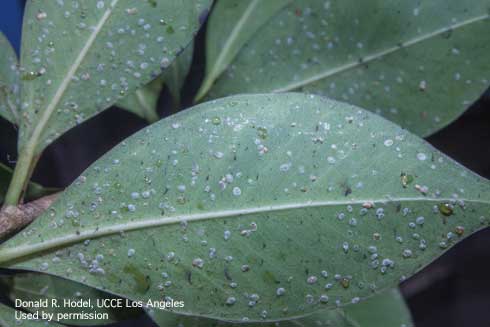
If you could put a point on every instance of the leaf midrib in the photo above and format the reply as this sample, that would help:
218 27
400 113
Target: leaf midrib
46 114
218 65
29 249
378 55
233 36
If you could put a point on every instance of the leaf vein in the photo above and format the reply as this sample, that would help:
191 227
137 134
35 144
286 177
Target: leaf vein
378 55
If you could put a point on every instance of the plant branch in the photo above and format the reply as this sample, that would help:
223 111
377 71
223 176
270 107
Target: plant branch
12 218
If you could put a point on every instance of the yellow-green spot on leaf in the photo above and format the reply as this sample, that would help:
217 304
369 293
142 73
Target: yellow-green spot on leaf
216 121
406 179
30 76
446 209
269 277
142 282
262 132
345 282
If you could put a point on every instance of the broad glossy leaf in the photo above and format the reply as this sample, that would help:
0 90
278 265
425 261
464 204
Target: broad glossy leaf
81 57
253 204
7 319
231 24
35 287
419 64
386 309
144 101
9 79
34 190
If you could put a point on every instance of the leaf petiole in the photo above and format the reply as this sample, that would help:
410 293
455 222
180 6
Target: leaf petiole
22 173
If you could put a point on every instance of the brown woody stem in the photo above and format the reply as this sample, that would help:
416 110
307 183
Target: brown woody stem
13 218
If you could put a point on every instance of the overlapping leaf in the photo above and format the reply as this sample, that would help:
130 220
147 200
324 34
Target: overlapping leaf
80 57
419 64
9 81
177 73
386 309
144 101
258 207
231 24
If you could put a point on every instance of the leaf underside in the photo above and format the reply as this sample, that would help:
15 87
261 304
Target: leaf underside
257 206
419 64
80 58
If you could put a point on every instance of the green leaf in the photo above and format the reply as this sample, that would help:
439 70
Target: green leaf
36 287
9 81
419 64
34 190
385 309
144 101
325 317
321 318
8 319
79 59
265 191
232 23
176 74
5 176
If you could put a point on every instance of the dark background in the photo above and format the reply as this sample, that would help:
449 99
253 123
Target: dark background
453 291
